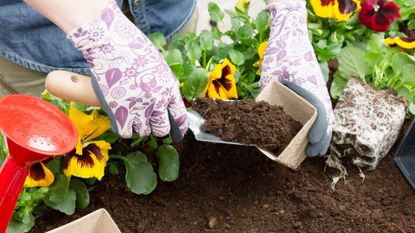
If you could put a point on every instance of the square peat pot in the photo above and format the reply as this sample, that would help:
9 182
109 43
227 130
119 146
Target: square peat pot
98 221
300 110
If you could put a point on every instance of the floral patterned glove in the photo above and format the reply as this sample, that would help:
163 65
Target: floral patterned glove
133 82
290 59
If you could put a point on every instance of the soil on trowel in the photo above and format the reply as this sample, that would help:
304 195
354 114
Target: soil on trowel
247 122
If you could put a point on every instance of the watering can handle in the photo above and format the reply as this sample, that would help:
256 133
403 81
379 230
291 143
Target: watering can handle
12 178
78 88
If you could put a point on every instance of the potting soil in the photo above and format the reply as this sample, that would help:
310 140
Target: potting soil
247 122
225 188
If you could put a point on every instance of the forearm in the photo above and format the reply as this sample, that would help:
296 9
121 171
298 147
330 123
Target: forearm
68 14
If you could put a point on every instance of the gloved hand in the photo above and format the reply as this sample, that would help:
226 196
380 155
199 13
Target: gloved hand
133 82
290 59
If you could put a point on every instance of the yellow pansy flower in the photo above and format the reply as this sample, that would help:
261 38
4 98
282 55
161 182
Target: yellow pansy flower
39 176
406 43
221 83
341 10
89 157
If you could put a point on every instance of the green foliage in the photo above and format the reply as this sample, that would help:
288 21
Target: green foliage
382 66
60 196
158 40
3 149
215 13
168 163
195 84
140 176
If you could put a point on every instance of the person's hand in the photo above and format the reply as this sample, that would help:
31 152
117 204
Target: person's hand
133 82
290 59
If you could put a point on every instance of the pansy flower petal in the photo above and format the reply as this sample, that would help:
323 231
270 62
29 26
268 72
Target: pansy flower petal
39 176
90 164
221 83
378 15
341 10
406 43
102 124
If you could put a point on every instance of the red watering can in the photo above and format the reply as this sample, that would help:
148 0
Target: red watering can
35 130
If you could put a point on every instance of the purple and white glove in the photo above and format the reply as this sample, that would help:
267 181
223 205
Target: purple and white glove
133 82
290 59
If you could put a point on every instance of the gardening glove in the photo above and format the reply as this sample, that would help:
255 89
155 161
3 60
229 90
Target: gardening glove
133 82
290 59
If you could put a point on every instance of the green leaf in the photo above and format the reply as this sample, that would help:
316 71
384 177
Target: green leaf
262 21
65 204
168 140
324 66
216 33
215 12
326 52
194 85
168 163
152 142
206 41
408 73
236 57
175 60
193 51
82 194
412 109
352 63
58 102
59 188
3 149
140 176
405 93
112 168
337 86
23 220
158 40
55 165
245 32
60 196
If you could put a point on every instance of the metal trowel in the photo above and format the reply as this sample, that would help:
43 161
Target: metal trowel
405 157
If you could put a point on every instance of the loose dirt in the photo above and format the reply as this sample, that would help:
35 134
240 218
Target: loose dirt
225 188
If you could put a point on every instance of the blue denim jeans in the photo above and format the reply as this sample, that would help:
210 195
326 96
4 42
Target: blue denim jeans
23 75
32 41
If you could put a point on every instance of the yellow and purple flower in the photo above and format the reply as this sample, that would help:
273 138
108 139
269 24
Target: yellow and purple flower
341 10
378 14
221 83
39 176
90 157
405 43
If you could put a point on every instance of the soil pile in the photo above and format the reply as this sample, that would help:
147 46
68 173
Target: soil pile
225 188
247 121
